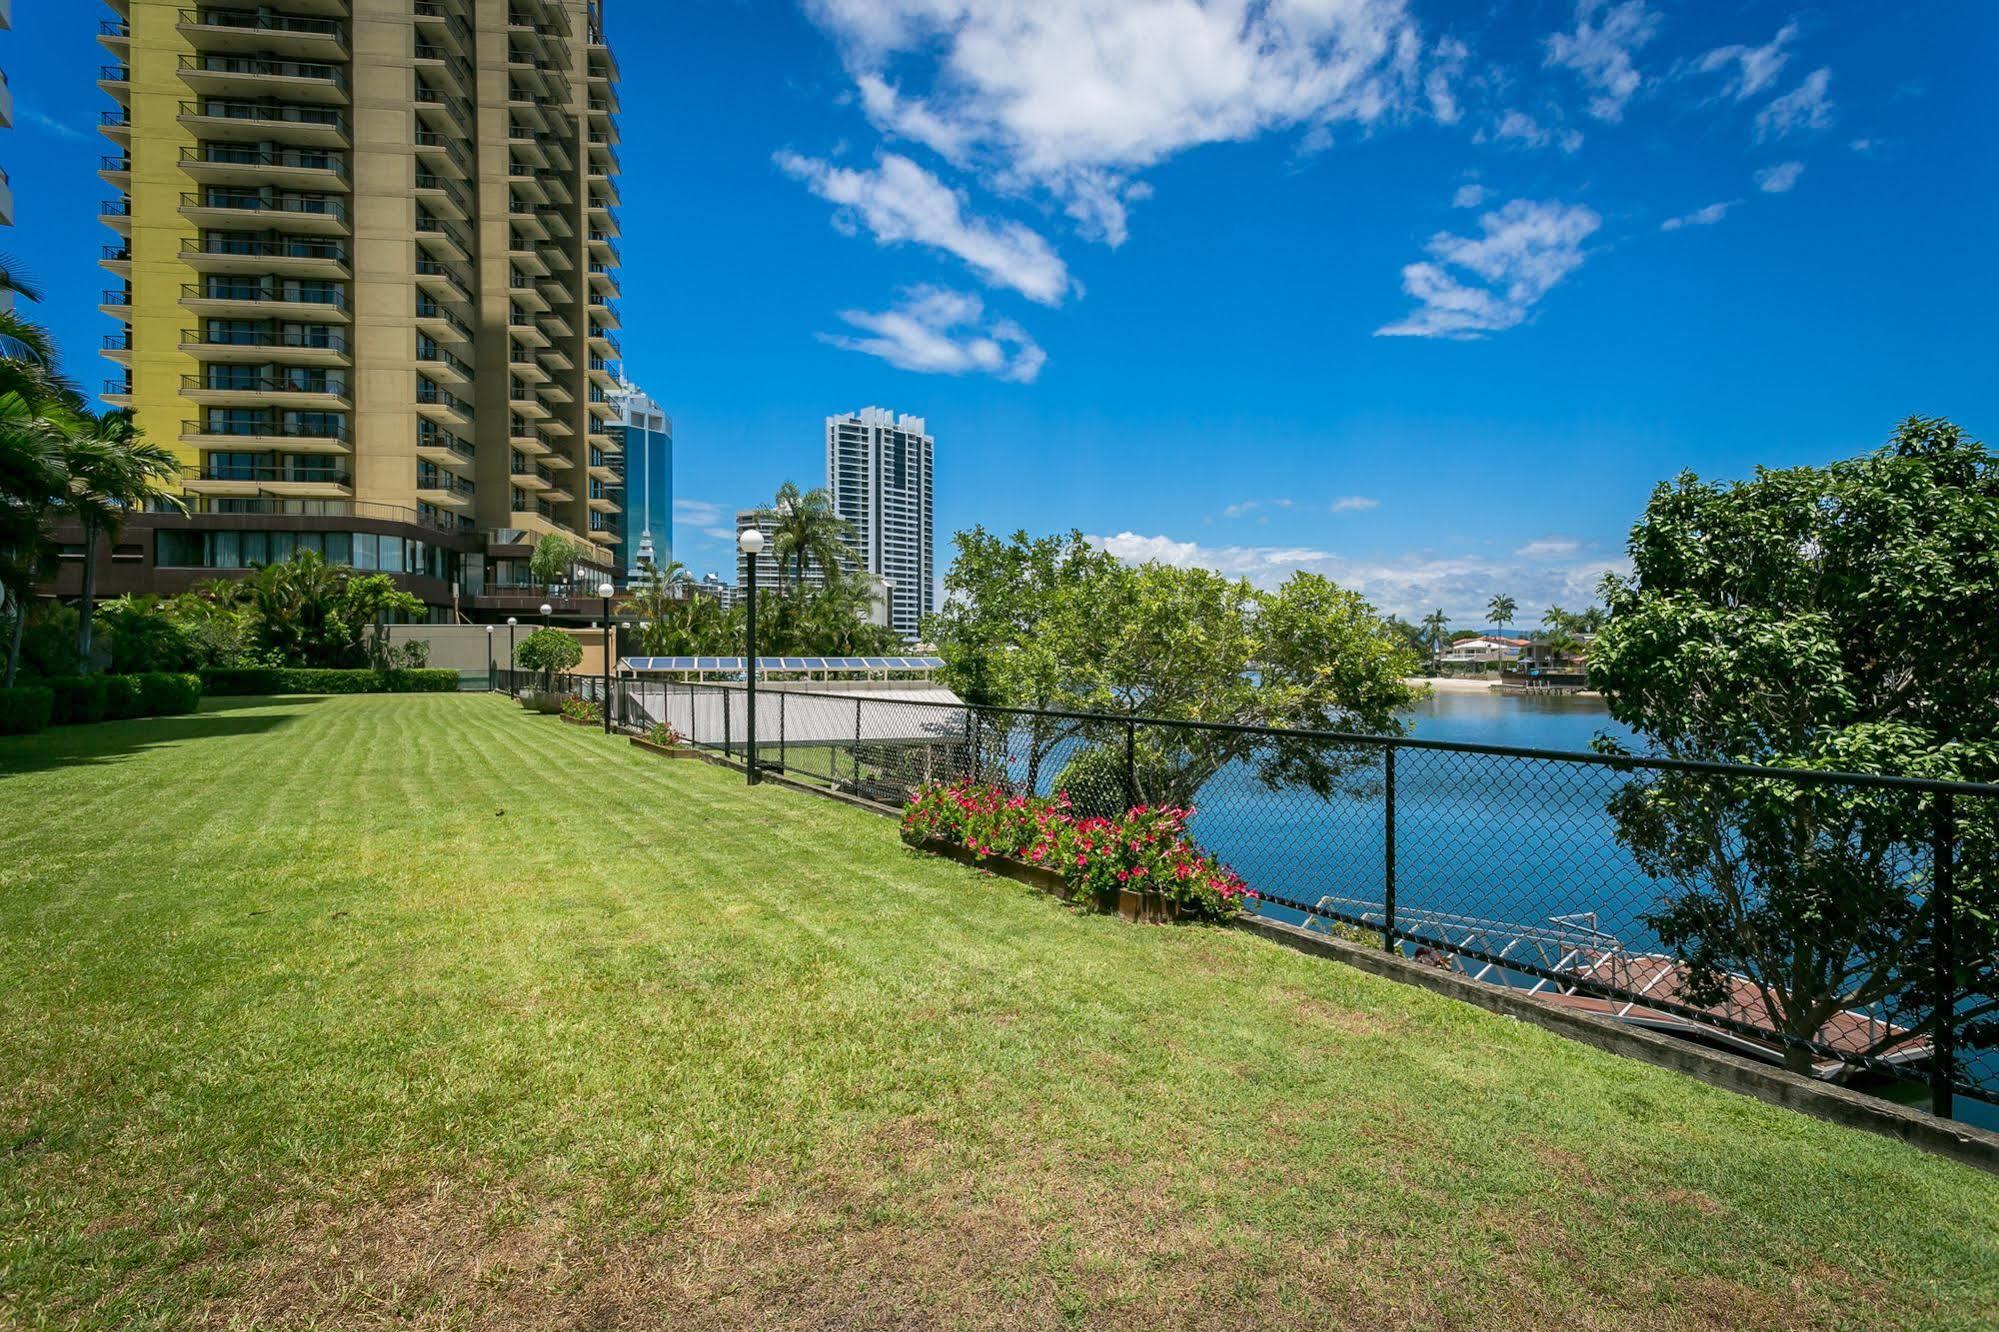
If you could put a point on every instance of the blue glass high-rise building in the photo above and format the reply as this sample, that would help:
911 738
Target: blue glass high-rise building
645 475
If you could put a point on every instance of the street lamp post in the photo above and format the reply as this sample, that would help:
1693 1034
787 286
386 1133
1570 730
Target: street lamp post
491 680
605 591
512 621
751 542
546 611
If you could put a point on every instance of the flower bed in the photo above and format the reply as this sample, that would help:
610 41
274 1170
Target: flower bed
664 740
582 711
1143 862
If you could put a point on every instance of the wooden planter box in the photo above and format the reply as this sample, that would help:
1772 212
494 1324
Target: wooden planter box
549 705
1139 908
667 751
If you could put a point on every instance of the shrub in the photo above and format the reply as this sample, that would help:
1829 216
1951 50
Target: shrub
665 736
167 694
124 697
582 709
235 680
26 709
1146 849
79 699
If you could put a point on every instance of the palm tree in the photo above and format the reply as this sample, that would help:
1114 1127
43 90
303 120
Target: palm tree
809 531
113 469
1500 610
1435 623
37 406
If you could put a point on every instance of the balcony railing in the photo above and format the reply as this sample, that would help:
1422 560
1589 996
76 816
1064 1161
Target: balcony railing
265 21
266 247
230 154
114 297
295 70
323 476
334 430
263 384
432 478
223 108
440 356
430 267
115 208
225 291
250 202
292 338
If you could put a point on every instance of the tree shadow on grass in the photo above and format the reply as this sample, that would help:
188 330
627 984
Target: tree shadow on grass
115 741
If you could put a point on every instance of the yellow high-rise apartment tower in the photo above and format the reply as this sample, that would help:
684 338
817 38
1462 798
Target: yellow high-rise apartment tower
368 255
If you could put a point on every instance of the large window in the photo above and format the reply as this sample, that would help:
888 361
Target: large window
365 551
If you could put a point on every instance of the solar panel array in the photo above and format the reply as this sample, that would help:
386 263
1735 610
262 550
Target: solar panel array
784 663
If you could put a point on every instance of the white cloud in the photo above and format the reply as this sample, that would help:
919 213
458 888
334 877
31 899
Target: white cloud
1804 107
1238 510
1780 178
1749 69
1407 585
1527 247
1700 217
1447 66
900 201
934 331
1547 548
1468 196
54 126
1864 145
1076 97
1600 51
1355 504
1522 128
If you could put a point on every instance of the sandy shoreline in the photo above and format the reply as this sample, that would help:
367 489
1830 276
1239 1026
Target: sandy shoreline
1451 684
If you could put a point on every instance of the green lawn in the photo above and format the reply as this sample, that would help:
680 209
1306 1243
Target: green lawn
366 1011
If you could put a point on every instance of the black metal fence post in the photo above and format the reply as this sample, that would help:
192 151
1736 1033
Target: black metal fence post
780 731
1943 1036
1130 764
857 744
1388 941
727 750
972 744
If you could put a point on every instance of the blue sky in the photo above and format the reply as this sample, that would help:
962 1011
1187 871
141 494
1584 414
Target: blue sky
1422 296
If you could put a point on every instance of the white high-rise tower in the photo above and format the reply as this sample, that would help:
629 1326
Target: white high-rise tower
879 468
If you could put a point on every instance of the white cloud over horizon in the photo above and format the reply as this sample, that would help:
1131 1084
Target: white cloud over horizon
1354 504
1406 585
1525 249
933 330
899 201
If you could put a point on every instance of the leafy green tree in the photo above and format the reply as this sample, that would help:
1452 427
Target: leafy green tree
1827 618
1056 624
39 407
549 651
1500 610
1013 627
113 469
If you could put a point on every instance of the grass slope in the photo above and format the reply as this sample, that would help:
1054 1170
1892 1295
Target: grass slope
418 1010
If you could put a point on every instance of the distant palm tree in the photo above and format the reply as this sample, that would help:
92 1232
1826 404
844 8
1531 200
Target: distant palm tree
809 531
1435 624
1500 610
113 469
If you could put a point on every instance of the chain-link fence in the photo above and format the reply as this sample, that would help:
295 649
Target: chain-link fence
1838 924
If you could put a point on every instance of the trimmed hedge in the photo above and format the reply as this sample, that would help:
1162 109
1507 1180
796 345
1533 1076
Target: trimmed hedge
289 680
78 700
25 710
